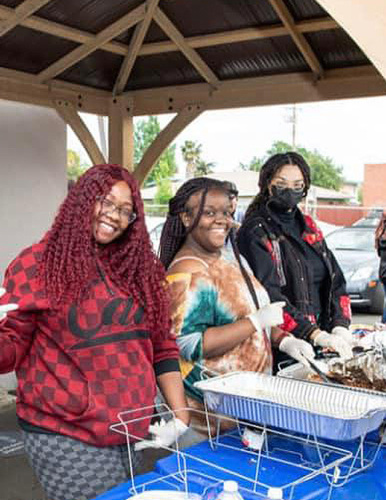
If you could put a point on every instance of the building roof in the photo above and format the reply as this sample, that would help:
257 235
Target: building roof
321 193
133 46
160 63
247 182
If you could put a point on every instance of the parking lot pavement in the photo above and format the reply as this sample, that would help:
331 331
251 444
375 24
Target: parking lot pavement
17 480
360 318
16 477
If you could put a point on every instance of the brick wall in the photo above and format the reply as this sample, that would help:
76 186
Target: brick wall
374 185
340 216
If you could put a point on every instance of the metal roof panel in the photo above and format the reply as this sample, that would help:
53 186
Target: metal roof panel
254 58
88 15
11 3
305 9
335 49
22 49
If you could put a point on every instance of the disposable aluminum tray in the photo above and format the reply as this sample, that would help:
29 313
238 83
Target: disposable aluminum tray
320 410
300 372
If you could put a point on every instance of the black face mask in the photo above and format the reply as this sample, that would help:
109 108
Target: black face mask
285 199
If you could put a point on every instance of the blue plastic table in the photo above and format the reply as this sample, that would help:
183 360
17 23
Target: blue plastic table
366 485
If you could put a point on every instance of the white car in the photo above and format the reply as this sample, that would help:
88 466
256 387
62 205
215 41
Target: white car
325 227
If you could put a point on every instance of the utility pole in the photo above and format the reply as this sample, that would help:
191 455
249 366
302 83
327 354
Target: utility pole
294 126
292 118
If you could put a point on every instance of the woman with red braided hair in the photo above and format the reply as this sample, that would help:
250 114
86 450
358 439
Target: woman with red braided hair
84 322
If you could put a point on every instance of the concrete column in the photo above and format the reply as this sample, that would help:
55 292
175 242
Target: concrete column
32 174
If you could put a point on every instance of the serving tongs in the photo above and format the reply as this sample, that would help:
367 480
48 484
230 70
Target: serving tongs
326 378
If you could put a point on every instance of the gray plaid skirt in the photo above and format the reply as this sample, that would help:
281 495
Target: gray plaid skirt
69 469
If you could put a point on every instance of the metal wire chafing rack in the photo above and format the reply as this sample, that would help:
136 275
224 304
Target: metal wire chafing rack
322 412
303 458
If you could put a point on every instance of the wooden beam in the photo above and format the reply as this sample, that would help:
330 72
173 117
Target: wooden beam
237 36
22 87
70 115
196 60
121 132
234 36
62 31
104 36
20 13
135 44
165 138
362 81
299 39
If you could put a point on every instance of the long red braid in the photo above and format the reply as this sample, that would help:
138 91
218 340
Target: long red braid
68 261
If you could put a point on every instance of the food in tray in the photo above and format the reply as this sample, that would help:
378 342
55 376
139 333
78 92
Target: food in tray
366 370
316 409
354 377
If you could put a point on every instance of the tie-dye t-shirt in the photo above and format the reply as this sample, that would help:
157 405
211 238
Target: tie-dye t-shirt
214 296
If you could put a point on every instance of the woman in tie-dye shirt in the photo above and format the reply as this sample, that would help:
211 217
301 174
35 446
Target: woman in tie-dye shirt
221 314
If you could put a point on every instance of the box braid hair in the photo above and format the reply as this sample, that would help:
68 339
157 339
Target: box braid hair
174 232
69 260
268 172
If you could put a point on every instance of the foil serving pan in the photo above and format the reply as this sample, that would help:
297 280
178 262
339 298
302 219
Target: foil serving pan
320 410
300 372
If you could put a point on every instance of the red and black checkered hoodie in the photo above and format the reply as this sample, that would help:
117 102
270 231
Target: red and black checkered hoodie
78 366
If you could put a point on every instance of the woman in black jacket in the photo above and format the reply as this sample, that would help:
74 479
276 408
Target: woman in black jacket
288 254
380 245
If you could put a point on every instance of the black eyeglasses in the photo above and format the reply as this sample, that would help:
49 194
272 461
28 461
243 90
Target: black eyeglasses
298 187
123 212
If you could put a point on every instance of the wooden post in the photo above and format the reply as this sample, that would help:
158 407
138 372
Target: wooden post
121 132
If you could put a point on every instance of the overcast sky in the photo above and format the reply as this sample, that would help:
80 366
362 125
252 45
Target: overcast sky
351 132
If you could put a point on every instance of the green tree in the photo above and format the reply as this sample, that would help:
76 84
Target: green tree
144 134
164 192
75 168
360 195
255 164
324 172
191 153
204 168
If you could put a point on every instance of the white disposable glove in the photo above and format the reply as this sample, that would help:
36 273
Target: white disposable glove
343 333
334 342
297 349
6 307
164 434
269 315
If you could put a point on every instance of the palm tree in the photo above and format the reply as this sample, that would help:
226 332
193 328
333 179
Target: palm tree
204 167
191 153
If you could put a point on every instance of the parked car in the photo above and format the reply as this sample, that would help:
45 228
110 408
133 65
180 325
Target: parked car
371 220
354 249
325 227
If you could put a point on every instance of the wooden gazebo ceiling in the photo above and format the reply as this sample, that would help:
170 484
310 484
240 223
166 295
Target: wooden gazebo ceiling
161 55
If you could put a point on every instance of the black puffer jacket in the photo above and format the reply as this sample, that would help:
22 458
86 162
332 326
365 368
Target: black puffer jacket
278 261
381 248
